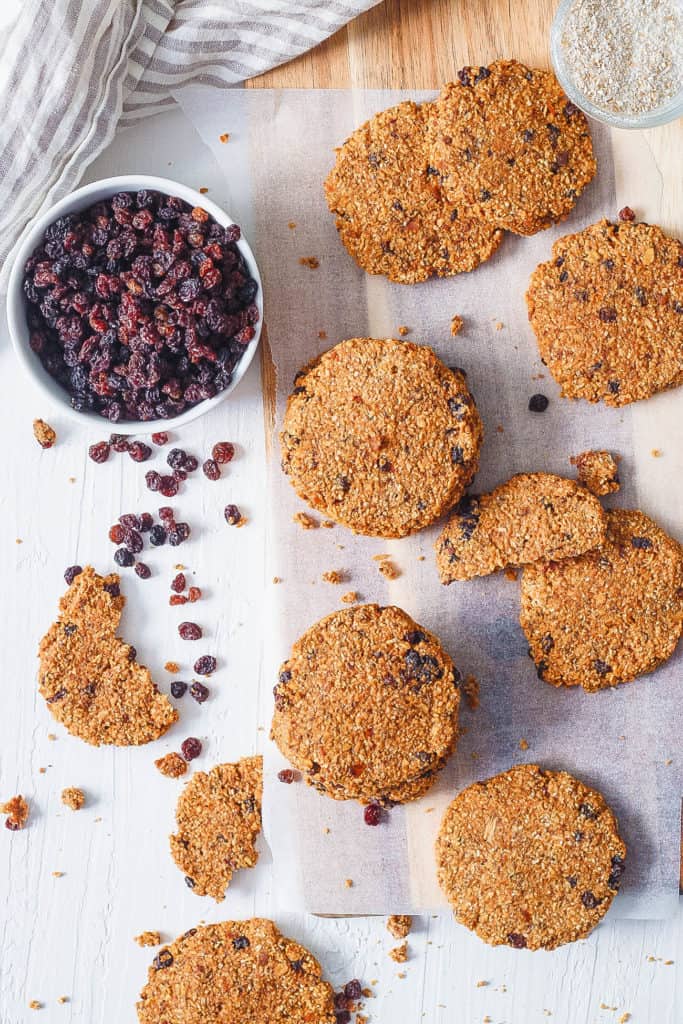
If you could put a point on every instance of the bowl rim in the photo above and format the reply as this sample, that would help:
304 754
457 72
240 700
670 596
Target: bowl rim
664 114
80 199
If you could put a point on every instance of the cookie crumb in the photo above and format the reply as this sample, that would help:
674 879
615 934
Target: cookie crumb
62 999
523 744
224 137
322 335
656 453
171 765
399 925
471 690
334 576
348 882
148 939
597 471
58 874
399 953
361 1018
309 261
403 330
389 570
44 434
499 325
350 597
277 579
305 521
35 1005
482 984
457 324
291 225
203 190
328 524
51 736
16 810
173 667
624 1018
73 797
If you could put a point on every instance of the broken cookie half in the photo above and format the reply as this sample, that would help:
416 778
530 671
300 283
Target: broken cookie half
531 517
89 677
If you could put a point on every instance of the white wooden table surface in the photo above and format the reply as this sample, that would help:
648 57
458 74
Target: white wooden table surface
73 935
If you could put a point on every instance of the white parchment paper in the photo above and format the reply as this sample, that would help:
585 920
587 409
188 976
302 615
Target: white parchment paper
623 741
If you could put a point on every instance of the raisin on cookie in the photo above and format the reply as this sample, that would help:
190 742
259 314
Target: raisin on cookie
529 858
380 436
510 147
608 615
219 819
89 677
366 706
391 214
531 516
235 972
607 312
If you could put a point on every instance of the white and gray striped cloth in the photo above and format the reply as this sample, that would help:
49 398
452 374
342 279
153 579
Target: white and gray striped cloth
72 71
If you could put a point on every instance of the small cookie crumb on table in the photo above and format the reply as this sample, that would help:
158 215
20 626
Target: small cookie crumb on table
334 576
44 434
171 765
350 597
148 939
399 953
73 797
305 521
312 262
16 810
457 324
399 925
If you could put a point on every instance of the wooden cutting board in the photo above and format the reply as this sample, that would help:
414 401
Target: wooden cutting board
420 44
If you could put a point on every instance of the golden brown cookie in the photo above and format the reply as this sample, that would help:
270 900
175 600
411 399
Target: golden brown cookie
235 972
510 147
610 614
367 705
531 516
607 311
219 819
391 215
90 678
597 471
380 436
529 858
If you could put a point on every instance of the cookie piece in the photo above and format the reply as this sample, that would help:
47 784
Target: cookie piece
510 147
609 615
218 817
607 312
235 972
529 858
399 925
367 705
391 215
532 516
380 436
89 677
16 809
73 797
172 765
597 471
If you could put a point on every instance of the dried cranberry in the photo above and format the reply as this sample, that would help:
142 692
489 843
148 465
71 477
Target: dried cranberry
232 515
157 536
516 940
372 815
626 214
146 522
199 692
538 403
178 583
178 689
176 599
352 989
287 775
99 452
205 665
116 534
211 469
153 480
160 438
71 573
176 458
166 513
139 452
191 748
190 631
134 542
168 487
142 570
129 521
191 463
223 451
194 594
123 557
177 535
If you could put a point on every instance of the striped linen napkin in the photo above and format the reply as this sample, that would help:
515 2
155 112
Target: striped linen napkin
72 71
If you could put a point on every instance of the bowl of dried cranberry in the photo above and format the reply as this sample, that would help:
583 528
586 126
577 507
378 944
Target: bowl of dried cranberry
136 300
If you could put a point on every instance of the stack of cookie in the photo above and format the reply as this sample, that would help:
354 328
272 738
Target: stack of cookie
429 190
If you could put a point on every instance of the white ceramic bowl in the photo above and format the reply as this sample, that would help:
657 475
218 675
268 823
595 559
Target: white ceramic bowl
81 199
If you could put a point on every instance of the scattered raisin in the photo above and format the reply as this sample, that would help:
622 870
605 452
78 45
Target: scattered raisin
153 480
287 775
223 451
191 748
194 594
71 573
205 665
160 438
211 469
178 583
142 570
626 213
232 515
190 631
157 536
198 691
178 689
123 557
372 814
538 403
99 452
